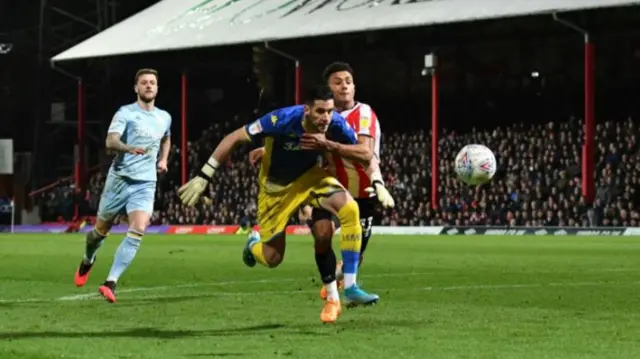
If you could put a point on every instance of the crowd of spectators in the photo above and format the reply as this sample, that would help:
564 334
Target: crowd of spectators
538 182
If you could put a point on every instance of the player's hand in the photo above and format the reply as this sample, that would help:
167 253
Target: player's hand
191 191
162 166
304 213
137 151
256 155
313 141
379 190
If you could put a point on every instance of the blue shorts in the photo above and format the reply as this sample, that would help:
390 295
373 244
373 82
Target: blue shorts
122 193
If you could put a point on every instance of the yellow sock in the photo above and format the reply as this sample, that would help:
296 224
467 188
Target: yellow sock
350 241
258 254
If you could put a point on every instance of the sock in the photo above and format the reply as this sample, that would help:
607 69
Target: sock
124 255
332 291
365 241
339 274
258 254
350 241
326 263
258 249
93 241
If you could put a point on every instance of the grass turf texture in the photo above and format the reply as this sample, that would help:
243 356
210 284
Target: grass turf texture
441 297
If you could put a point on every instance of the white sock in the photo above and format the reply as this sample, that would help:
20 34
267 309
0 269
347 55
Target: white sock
349 280
332 291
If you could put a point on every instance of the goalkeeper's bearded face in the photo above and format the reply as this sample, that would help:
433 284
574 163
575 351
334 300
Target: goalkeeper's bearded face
319 114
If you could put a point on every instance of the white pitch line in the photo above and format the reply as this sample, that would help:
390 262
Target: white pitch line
88 296
169 287
215 284
430 289
93 296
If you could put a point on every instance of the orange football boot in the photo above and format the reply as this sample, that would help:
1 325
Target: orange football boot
108 291
82 274
323 291
331 311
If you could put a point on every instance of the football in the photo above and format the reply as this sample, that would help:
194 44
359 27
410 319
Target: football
475 164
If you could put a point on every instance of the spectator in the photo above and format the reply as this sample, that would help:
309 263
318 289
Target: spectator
537 184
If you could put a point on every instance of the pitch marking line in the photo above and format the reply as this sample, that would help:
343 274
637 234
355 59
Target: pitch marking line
195 285
92 296
215 284
431 289
87 296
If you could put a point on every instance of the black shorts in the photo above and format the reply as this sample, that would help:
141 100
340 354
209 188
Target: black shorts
367 208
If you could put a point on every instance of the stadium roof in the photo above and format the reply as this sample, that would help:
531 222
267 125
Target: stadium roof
181 24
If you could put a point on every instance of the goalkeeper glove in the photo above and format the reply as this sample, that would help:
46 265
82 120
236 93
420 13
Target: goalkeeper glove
191 191
379 190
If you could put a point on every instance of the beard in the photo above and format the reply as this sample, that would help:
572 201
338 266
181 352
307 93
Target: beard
146 98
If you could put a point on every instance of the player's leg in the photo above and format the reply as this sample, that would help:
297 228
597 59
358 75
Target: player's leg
348 213
112 201
367 210
269 252
267 247
139 208
322 228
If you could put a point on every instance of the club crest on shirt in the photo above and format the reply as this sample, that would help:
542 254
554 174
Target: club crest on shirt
365 122
255 128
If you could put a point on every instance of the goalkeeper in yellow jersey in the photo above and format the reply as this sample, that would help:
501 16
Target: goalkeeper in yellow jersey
295 138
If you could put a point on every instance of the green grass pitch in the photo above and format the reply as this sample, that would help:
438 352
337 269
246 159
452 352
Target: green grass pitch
190 297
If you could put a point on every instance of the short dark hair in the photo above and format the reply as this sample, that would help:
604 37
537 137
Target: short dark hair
336 67
320 92
145 72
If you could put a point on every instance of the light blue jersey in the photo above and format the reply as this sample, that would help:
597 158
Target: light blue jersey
139 128
131 182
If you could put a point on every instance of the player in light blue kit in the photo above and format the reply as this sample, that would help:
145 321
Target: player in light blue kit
139 134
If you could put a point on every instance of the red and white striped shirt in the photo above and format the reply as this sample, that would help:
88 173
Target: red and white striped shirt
353 175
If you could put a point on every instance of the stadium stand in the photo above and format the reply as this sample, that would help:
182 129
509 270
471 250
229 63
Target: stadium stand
538 182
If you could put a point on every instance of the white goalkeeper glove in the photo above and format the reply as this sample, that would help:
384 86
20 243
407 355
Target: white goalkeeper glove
380 191
191 191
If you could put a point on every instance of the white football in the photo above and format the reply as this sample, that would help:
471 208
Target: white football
475 164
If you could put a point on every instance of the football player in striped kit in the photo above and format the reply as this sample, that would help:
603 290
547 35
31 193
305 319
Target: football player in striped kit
364 183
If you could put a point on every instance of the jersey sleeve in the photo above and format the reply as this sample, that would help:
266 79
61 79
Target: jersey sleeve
368 122
267 125
119 122
167 133
340 130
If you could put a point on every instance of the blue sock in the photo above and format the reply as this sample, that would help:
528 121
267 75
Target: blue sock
124 255
350 241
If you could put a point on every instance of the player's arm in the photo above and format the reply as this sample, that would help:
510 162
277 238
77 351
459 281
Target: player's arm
114 133
226 146
256 155
369 128
361 152
165 143
351 146
191 191
165 147
377 184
